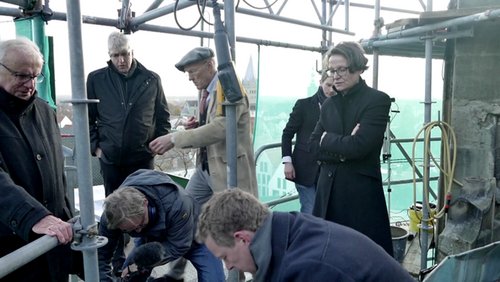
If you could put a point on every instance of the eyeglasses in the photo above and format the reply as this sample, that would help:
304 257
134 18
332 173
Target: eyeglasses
340 71
23 77
123 54
135 226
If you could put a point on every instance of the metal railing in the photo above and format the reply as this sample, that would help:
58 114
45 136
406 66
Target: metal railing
397 142
38 247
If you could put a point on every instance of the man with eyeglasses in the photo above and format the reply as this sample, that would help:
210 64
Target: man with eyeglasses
347 140
33 198
151 207
132 111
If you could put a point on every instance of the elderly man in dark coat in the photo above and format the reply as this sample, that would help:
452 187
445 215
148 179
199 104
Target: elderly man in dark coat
33 201
348 139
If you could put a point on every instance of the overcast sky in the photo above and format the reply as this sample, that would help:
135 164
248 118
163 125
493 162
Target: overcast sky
283 72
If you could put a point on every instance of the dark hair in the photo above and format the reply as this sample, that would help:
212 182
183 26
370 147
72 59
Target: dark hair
352 52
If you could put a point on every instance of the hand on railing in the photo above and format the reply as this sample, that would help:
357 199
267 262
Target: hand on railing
53 226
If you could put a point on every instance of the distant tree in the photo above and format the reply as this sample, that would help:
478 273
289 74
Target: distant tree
174 109
176 160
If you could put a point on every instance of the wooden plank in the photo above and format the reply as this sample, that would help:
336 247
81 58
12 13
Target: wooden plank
411 261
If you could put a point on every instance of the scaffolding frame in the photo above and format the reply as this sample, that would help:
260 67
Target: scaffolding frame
427 39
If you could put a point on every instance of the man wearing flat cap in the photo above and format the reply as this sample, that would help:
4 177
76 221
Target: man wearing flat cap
208 132
198 54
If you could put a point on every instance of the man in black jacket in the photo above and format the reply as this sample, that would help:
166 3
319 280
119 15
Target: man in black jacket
301 166
151 207
33 201
132 111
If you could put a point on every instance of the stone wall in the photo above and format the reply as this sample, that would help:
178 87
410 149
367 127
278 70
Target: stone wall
472 107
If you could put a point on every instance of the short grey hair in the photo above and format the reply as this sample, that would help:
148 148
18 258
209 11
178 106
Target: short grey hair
124 203
21 45
118 41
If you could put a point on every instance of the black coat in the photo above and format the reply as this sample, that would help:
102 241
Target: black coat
132 111
349 189
32 183
303 119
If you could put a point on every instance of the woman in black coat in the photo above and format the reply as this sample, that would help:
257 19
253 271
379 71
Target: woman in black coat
348 139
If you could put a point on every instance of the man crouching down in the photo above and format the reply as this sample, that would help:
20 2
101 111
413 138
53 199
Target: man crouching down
282 246
151 207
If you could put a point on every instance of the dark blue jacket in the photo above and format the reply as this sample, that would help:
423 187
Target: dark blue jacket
172 218
306 248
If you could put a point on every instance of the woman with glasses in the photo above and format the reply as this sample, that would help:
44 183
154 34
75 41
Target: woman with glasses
347 140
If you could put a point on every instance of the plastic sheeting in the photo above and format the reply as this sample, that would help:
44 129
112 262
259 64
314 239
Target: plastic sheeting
478 265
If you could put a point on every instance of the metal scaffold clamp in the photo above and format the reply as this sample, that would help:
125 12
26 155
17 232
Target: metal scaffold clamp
86 238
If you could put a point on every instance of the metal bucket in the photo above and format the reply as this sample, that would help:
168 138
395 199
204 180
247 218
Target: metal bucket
399 237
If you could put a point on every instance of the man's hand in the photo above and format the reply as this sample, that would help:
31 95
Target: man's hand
53 226
161 144
190 123
129 269
289 171
98 152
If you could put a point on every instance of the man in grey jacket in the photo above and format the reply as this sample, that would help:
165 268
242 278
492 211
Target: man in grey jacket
153 208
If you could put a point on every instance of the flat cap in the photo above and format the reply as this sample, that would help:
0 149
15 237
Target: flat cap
198 54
